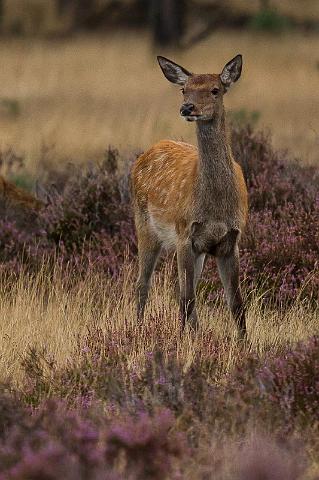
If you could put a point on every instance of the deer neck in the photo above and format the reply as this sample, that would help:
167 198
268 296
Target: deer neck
215 182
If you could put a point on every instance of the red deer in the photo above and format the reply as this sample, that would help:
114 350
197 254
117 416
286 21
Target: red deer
193 200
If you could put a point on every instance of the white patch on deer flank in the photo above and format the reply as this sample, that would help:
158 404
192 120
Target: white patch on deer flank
166 233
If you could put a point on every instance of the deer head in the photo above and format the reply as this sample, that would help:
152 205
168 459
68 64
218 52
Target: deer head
202 93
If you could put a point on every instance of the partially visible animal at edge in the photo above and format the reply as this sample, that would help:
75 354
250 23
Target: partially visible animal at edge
11 195
193 200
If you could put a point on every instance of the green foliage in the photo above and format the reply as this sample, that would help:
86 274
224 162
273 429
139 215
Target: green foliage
10 107
23 180
269 20
244 117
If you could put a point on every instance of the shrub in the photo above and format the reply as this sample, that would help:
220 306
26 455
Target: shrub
280 247
148 447
280 392
242 117
55 442
263 458
91 216
291 383
87 222
138 411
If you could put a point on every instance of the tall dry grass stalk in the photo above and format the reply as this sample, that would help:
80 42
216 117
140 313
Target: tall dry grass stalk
69 99
52 312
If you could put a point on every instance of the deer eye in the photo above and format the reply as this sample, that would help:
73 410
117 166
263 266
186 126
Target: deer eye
215 91
182 90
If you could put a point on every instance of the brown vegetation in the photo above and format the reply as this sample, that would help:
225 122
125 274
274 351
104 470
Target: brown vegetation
48 314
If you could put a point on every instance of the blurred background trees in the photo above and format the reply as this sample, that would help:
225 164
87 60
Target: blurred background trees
169 20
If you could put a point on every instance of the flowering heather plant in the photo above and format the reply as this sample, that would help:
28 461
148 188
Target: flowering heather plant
86 222
262 458
105 417
54 442
290 382
102 370
281 389
90 217
281 245
146 441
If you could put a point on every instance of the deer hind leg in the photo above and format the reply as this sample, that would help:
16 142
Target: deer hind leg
149 248
228 268
186 262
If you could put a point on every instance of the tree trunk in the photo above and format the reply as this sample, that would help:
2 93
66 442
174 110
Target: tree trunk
264 4
1 14
62 5
82 12
167 21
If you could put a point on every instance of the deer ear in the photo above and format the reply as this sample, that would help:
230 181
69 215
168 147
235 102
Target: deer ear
173 72
231 71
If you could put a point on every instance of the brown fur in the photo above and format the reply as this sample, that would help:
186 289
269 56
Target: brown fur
164 178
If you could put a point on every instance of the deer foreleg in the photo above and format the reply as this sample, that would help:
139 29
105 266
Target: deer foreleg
186 274
228 267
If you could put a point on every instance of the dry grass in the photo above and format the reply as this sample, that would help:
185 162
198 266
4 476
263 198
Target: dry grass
69 99
48 315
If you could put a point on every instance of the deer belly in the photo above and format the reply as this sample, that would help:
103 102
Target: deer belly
165 232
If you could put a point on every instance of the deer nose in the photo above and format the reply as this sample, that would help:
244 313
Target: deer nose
186 109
